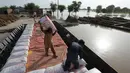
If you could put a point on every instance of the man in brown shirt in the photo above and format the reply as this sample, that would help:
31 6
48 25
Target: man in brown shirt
49 30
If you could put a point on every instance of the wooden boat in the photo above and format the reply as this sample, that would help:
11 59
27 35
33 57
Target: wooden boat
27 54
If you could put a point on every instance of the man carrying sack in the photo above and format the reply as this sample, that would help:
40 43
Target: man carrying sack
49 30
34 16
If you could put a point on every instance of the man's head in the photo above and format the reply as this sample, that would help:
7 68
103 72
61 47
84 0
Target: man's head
81 42
49 30
39 22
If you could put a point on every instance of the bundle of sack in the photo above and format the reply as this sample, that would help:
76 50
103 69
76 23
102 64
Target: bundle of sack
59 68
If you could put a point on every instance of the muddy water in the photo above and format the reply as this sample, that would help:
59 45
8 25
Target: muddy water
113 46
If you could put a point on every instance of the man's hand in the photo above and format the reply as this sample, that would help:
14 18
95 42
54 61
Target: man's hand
80 57
80 53
54 33
41 28
39 22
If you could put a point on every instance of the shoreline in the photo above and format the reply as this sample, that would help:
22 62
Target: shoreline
118 23
121 23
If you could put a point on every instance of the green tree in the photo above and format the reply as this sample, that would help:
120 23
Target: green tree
98 9
36 7
103 10
70 9
30 7
110 8
117 10
61 8
5 7
76 6
88 10
53 7
125 10
13 7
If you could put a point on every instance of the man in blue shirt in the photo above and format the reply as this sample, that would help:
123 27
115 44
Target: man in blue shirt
72 56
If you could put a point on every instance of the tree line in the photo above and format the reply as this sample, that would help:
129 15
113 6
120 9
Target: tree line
112 9
30 7
74 7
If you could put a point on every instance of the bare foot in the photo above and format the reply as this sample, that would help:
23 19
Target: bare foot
54 56
46 55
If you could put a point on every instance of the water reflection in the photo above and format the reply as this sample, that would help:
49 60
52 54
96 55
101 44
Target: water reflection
98 26
103 44
71 24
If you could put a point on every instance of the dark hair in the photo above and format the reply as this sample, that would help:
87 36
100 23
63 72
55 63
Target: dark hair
49 30
81 42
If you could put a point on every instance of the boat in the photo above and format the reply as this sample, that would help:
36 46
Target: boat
23 52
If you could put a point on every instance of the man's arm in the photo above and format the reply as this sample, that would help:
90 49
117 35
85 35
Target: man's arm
41 27
54 33
80 53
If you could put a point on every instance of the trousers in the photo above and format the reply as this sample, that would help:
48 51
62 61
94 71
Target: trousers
48 43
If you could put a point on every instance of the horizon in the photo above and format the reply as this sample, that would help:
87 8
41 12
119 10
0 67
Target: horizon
85 3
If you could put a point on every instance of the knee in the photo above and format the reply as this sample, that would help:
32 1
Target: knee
76 67
46 48
64 68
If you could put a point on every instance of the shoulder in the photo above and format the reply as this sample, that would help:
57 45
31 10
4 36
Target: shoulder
75 44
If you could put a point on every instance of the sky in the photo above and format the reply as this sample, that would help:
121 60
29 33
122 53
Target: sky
85 3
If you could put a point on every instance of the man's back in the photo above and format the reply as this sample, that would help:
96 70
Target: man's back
73 51
72 56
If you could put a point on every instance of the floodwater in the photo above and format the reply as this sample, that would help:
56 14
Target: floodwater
113 46
81 13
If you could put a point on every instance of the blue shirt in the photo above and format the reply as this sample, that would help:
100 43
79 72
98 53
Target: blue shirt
73 51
